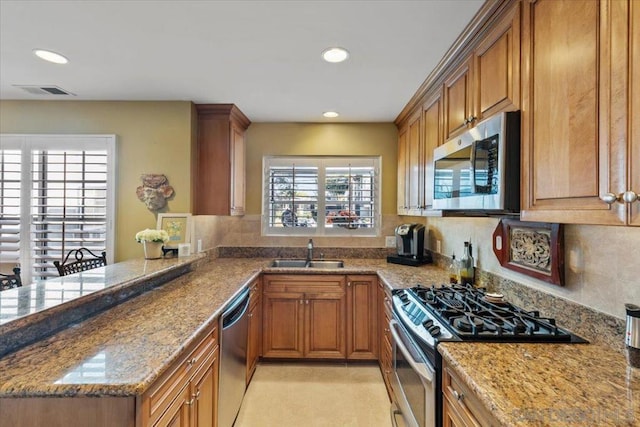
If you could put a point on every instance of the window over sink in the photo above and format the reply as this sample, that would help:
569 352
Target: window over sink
321 196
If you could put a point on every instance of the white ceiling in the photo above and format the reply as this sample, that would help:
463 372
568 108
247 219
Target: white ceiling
264 56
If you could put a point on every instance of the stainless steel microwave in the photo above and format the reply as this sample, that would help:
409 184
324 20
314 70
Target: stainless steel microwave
479 171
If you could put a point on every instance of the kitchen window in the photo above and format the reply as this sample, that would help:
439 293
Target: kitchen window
56 194
321 196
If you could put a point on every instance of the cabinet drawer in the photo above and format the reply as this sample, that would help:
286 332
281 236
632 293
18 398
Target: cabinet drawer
464 402
169 387
309 283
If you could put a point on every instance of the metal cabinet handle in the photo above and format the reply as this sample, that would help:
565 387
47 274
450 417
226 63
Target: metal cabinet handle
629 196
348 283
307 301
196 395
458 396
609 198
626 197
189 402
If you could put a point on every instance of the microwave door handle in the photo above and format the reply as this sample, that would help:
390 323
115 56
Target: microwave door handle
424 370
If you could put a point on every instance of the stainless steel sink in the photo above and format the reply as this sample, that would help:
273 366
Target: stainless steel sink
290 263
326 264
303 263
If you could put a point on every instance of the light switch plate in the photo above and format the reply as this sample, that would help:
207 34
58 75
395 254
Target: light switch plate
390 241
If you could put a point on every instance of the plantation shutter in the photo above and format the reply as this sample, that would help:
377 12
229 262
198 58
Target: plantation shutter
350 196
10 178
68 205
56 194
292 194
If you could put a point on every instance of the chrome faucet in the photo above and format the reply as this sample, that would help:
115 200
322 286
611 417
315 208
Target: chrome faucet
310 250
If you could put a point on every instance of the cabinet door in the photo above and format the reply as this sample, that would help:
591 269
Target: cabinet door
362 322
204 394
179 412
254 339
457 100
325 325
415 165
218 176
634 138
450 418
432 124
402 195
574 110
283 325
496 67
237 170
384 312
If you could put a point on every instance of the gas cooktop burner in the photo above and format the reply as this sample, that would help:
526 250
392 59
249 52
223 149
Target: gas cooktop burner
472 317
468 323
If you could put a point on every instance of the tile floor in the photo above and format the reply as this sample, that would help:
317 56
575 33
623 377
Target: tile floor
315 395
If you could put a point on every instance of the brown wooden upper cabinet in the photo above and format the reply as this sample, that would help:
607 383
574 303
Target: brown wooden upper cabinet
488 80
416 142
458 104
432 138
410 167
219 175
403 187
580 143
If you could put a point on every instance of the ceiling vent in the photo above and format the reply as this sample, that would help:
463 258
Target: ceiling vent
44 90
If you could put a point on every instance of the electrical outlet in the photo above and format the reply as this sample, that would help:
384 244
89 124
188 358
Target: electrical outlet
439 246
390 241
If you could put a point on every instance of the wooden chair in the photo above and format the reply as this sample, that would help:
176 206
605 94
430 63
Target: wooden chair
8 281
82 261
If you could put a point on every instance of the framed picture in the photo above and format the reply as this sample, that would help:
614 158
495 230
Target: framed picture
178 226
532 248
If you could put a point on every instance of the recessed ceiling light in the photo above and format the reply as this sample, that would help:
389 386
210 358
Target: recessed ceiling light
330 114
335 54
50 56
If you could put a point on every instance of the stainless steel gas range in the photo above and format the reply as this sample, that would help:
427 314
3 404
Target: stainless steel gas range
425 316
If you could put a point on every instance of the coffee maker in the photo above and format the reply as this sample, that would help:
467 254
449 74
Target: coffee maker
410 245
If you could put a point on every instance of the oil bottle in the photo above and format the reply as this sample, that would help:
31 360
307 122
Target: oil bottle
466 266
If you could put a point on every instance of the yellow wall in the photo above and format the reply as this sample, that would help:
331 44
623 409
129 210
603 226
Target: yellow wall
152 137
366 139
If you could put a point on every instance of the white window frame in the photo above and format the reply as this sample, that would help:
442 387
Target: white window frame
322 162
27 143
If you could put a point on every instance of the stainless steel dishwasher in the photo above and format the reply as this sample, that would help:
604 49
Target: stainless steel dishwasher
233 359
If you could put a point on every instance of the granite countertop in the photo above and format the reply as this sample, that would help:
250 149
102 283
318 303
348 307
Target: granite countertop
28 313
549 384
121 351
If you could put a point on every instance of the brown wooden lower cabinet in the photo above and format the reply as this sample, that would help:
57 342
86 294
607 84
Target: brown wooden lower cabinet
187 395
460 406
304 316
254 337
362 317
320 316
386 357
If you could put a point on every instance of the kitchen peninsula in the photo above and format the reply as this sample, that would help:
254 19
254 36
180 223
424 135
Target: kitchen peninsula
117 355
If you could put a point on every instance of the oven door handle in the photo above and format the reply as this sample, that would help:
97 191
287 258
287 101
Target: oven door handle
424 369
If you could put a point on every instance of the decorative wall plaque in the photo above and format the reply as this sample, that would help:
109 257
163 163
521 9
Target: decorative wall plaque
532 248
154 191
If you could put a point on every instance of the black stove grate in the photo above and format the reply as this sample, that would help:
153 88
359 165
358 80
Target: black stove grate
472 317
